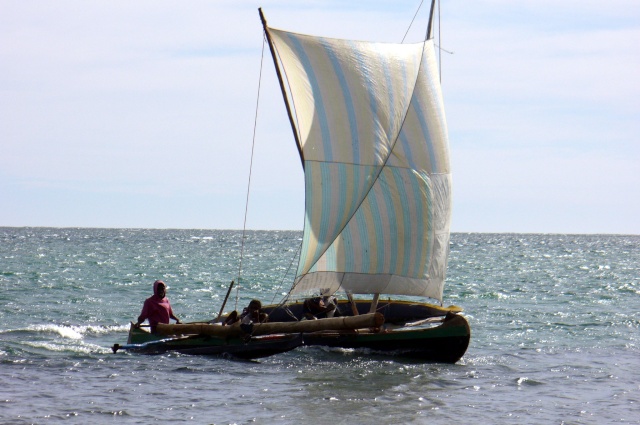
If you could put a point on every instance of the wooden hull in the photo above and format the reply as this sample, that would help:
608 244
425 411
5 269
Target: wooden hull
143 342
445 343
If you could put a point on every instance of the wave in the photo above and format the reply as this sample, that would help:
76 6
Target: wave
83 348
69 331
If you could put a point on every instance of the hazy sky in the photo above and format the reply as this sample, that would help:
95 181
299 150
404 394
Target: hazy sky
141 113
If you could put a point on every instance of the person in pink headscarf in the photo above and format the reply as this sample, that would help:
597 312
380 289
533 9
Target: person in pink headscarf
157 308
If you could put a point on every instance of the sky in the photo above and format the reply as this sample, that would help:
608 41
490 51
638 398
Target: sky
141 114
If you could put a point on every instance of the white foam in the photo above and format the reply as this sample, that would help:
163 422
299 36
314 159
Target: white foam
77 332
64 331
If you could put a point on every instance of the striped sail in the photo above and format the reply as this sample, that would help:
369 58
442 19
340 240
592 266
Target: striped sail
374 143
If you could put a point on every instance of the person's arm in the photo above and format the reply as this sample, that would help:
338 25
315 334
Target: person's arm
330 307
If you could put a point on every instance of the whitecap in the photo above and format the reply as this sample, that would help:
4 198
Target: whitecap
64 331
83 348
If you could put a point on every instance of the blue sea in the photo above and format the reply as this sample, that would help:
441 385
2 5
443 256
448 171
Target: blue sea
555 334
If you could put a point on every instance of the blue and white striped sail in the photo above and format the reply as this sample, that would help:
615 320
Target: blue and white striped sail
373 137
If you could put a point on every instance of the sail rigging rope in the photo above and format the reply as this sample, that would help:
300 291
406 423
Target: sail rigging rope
440 49
414 18
286 298
246 207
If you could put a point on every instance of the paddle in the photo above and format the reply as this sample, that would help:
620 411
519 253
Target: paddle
224 302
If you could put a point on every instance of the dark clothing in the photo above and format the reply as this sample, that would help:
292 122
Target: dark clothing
316 308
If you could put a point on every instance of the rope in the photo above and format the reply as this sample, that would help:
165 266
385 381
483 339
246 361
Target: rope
285 299
246 208
414 18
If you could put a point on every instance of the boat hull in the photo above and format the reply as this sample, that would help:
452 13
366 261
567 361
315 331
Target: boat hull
143 342
445 343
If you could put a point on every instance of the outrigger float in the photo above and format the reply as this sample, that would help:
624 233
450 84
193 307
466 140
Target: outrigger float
246 341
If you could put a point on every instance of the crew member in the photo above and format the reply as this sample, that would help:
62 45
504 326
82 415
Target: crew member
157 308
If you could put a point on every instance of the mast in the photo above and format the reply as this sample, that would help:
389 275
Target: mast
282 88
433 4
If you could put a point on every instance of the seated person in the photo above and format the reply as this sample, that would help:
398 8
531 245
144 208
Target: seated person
231 318
250 314
330 300
316 308
253 313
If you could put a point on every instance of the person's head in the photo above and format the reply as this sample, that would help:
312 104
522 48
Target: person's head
319 301
254 305
159 288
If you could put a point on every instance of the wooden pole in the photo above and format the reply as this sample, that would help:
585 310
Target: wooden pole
282 88
433 4
354 308
225 301
200 329
332 324
374 303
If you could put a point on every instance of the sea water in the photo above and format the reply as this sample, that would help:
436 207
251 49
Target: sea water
554 318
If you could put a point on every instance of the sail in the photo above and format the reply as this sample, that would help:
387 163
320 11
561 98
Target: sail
373 140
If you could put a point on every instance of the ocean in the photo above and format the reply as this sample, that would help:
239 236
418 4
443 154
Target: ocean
554 318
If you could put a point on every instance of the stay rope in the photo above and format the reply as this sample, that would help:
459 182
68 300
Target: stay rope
411 23
246 207
439 44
